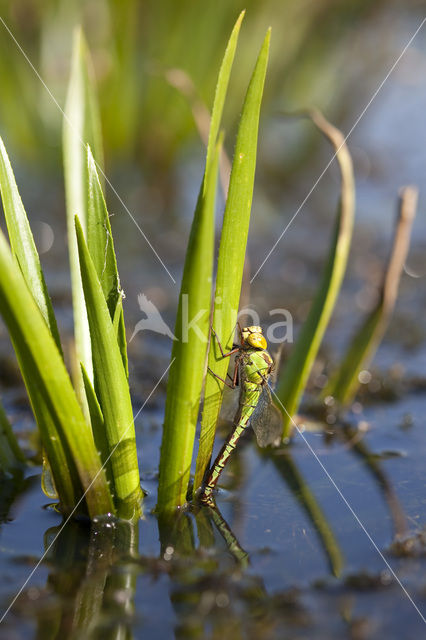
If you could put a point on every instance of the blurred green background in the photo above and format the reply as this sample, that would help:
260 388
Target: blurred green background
327 53
134 44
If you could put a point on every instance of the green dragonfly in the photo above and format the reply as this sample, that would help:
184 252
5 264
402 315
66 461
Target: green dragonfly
252 371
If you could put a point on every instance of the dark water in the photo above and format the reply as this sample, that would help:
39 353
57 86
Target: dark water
284 557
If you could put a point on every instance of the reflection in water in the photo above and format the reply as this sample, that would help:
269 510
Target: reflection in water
227 534
291 475
91 589
360 448
289 472
207 591
11 485
177 534
196 587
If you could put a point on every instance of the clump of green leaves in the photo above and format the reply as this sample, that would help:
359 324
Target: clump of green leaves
189 357
179 429
87 430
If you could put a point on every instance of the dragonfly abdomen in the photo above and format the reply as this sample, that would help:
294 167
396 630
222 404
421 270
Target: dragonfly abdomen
249 399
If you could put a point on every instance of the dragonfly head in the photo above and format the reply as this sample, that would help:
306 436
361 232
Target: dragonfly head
253 336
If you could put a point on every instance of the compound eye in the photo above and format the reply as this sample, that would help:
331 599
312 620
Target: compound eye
257 340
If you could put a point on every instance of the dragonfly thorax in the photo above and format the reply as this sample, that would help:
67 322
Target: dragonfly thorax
255 366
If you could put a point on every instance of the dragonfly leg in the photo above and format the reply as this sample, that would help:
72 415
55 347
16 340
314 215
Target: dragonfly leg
223 354
231 385
240 331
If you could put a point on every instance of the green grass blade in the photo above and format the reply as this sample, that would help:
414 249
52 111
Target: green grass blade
112 389
22 242
121 334
221 90
293 380
189 350
232 254
99 237
98 425
11 456
66 437
101 248
344 383
81 127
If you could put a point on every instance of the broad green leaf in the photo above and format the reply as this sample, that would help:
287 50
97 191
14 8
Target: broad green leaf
344 383
66 437
81 126
22 242
11 456
111 386
294 378
231 255
189 350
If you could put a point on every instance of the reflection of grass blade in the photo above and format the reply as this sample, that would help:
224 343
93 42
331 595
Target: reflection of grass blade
11 486
298 366
232 253
81 126
85 579
292 476
66 437
205 533
22 242
11 456
111 387
190 348
177 534
344 382
359 447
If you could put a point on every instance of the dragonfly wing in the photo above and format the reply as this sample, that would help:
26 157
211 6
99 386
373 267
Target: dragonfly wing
277 357
231 401
230 405
266 420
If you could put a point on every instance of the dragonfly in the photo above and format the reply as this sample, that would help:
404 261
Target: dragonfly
252 371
